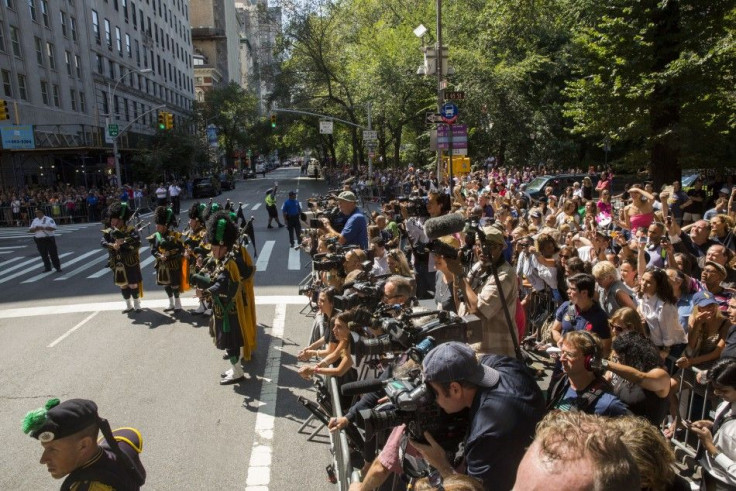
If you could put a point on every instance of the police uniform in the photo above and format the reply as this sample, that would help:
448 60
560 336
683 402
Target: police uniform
122 243
116 462
273 213
167 248
292 211
43 229
230 286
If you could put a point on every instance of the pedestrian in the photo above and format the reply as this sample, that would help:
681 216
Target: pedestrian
230 287
167 248
174 192
68 432
292 210
161 195
43 228
122 242
273 213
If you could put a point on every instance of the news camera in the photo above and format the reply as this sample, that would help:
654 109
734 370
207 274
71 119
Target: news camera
415 206
363 293
328 261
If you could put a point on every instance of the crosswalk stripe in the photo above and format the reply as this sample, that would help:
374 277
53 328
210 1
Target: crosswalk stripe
265 255
67 263
11 247
10 261
147 261
8 278
6 252
18 266
294 259
82 268
105 270
244 206
255 207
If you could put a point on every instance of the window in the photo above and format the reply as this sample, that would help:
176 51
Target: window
62 21
111 66
22 92
118 41
105 102
57 97
125 9
45 92
82 103
73 24
127 46
108 34
32 10
137 53
50 54
95 26
116 105
100 68
10 4
135 18
39 49
68 62
73 99
127 110
7 86
45 13
78 65
2 39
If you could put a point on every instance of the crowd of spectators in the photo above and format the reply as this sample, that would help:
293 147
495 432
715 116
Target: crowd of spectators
623 287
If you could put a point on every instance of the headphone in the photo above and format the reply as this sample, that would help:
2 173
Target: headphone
590 360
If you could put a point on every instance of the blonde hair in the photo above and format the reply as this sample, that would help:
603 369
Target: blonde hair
455 482
653 456
404 268
604 269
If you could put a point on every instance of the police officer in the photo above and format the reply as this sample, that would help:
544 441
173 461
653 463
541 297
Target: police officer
291 210
43 229
273 213
68 432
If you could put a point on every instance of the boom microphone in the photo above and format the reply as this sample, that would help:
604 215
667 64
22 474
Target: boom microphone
449 224
361 387
441 249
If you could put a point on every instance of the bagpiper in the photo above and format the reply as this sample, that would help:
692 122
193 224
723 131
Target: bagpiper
122 242
167 248
196 248
230 286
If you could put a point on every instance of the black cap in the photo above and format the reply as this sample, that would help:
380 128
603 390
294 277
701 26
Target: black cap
58 420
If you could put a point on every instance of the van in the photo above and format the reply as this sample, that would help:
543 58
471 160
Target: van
313 169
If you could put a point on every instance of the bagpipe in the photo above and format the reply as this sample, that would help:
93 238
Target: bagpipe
246 230
167 249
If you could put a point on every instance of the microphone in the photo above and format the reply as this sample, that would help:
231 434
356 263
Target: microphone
361 387
444 225
441 249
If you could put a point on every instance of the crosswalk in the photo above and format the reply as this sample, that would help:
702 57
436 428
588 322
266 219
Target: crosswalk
22 233
26 266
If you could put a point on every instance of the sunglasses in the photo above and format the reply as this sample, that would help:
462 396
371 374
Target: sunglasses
565 256
618 327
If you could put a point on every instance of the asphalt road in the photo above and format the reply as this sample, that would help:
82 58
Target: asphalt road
63 335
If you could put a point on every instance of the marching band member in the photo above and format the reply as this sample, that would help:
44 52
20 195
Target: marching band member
196 247
122 242
167 248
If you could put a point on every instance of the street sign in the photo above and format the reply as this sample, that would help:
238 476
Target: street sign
432 118
371 154
371 145
455 96
449 113
325 127
370 135
112 129
459 136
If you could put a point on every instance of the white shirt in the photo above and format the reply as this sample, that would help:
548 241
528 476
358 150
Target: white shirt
723 466
663 321
161 192
174 190
415 230
380 265
43 223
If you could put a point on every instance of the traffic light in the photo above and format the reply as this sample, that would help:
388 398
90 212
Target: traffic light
273 121
169 121
161 120
4 110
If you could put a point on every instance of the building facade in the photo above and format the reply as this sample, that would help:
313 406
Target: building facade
69 67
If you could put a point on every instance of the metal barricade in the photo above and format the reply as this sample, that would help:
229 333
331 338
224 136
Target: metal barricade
342 464
695 398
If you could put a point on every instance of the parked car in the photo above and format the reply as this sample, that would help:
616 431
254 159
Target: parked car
313 169
227 182
205 187
249 173
535 189
260 168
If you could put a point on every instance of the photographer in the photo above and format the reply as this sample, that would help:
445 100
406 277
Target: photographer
380 258
477 294
355 230
504 404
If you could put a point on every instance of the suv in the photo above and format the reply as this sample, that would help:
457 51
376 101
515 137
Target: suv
535 189
227 182
205 187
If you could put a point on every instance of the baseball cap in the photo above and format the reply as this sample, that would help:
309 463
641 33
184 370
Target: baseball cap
453 362
292 193
535 214
347 196
703 299
724 190
60 419
494 235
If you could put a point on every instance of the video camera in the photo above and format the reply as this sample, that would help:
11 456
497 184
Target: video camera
416 206
328 261
364 293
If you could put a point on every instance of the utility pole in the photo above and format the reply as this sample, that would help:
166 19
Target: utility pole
370 149
440 93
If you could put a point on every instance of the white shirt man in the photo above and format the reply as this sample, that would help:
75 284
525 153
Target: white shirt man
42 228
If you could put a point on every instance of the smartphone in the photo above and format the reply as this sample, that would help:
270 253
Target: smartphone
315 223
643 240
687 423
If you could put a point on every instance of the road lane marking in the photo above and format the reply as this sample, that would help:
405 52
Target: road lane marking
18 266
265 255
10 261
13 313
255 207
82 268
68 263
20 273
295 259
105 270
63 336
259 468
244 206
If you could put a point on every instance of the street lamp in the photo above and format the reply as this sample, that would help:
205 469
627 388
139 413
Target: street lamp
112 116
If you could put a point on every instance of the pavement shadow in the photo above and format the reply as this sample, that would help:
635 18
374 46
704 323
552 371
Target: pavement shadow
151 318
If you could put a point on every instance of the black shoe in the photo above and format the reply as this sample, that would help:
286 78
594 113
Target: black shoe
270 226
281 225
47 270
58 270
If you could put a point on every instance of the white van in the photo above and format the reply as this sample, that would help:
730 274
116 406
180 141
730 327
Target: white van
313 169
